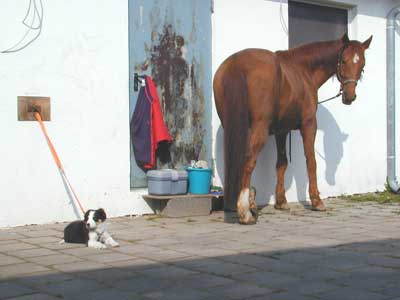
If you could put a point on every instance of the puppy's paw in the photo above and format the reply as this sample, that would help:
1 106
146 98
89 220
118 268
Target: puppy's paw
101 246
97 245
111 242
114 244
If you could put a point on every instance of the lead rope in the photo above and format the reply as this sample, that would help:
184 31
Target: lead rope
57 159
290 146
331 98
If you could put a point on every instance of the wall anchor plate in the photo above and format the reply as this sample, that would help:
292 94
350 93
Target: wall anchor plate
28 105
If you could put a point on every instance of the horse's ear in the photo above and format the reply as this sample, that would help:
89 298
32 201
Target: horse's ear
367 42
345 39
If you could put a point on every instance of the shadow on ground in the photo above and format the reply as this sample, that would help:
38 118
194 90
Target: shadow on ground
362 270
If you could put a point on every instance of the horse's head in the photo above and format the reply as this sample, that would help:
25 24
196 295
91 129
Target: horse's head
350 67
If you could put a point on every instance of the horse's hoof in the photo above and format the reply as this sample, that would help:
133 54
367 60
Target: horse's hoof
249 221
248 218
254 213
282 206
319 207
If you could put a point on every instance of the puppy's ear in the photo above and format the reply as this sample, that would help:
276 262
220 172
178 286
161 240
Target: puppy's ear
86 215
101 214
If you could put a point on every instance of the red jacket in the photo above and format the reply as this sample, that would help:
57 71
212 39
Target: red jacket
147 126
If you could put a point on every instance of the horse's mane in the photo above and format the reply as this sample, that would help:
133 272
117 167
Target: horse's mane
313 55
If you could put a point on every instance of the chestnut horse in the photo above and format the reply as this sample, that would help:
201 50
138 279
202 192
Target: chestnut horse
258 93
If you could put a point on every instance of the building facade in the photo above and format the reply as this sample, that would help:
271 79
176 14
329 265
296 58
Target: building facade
83 60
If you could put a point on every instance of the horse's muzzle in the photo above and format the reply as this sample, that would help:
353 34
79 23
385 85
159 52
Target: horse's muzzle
348 101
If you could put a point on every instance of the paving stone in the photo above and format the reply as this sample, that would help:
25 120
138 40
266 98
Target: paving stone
85 251
350 294
8 260
320 273
74 287
384 261
43 278
42 240
56 259
135 264
109 257
224 268
256 261
10 289
33 252
269 279
20 269
37 296
305 287
6 235
80 266
142 284
342 262
177 293
285 296
15 246
369 282
109 275
167 272
392 290
240 291
107 294
301 257
43 233
164 255
61 246
204 281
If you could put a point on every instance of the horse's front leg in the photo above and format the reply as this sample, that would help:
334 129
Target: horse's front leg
246 203
308 131
281 166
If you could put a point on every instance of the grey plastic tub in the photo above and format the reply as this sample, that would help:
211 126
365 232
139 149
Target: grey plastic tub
167 182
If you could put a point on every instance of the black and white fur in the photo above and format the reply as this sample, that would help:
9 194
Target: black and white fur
92 231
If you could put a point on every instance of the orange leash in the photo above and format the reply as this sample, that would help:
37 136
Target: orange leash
57 159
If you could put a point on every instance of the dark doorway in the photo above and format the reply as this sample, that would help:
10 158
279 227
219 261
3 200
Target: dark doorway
309 23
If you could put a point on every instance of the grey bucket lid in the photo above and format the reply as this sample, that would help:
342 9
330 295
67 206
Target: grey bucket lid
167 174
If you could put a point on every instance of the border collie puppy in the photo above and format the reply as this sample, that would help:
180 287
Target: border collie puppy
92 231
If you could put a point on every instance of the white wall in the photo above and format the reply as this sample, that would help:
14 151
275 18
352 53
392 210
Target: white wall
351 140
81 62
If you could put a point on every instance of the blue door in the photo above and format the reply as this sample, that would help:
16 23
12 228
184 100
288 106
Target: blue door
170 40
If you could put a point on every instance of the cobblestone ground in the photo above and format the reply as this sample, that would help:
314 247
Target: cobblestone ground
350 252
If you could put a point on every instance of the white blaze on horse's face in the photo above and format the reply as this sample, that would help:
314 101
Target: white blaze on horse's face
356 58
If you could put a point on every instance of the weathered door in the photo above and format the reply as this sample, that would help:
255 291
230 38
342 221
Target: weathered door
170 40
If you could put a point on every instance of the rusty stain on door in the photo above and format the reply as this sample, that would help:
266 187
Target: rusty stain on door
170 40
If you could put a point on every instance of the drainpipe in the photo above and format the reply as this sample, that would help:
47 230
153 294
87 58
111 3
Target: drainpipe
391 112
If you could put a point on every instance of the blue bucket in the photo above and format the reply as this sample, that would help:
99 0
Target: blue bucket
199 180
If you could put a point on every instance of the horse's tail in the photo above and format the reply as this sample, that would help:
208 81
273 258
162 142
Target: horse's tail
236 126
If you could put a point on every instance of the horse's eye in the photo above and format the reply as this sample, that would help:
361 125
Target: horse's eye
343 62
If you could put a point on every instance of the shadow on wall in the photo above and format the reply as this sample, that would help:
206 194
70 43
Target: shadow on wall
264 175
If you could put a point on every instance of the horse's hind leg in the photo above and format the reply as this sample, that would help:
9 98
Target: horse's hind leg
281 166
246 205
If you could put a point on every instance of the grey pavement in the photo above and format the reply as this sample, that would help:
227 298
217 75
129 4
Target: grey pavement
351 251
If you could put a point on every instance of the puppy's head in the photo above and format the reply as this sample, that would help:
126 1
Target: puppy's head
94 217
